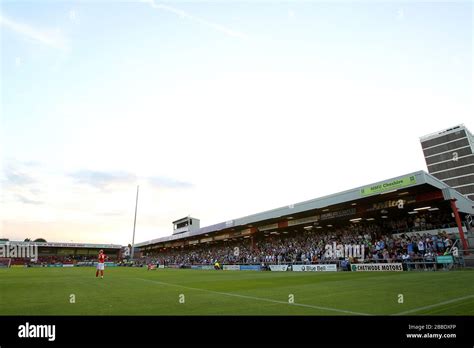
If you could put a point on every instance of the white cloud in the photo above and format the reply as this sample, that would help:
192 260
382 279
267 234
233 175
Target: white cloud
51 38
72 15
187 15
400 14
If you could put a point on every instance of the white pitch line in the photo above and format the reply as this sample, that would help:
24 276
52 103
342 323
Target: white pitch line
257 298
434 305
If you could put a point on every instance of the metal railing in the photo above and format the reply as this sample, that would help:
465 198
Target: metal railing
428 263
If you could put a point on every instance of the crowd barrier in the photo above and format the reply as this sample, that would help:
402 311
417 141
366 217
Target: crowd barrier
440 262
443 262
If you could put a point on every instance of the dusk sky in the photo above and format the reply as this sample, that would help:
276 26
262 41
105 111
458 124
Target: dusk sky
216 109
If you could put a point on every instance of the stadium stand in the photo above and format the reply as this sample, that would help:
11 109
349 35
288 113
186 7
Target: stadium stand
381 245
414 218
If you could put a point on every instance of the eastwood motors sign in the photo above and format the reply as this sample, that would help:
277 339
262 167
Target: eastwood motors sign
315 268
374 267
338 214
326 216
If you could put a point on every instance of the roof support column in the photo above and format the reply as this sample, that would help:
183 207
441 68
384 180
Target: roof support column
459 224
253 239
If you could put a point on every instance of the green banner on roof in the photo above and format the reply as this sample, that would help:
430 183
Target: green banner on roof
388 186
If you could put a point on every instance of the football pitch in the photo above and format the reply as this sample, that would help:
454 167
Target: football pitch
137 291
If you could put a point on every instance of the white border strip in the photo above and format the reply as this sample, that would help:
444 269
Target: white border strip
447 142
445 170
456 177
450 160
455 187
441 153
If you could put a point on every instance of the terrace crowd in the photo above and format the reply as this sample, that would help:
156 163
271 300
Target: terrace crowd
381 243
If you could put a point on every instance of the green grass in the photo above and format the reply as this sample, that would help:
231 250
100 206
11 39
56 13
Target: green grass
136 291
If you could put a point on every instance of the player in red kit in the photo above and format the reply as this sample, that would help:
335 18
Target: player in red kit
100 264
